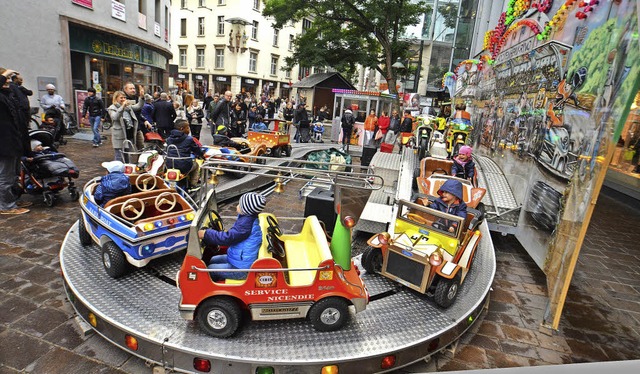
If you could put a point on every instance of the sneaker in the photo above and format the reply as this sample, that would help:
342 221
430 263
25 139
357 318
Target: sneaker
23 204
15 211
95 145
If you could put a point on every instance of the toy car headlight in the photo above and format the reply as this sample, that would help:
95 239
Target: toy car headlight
148 226
383 238
435 259
348 221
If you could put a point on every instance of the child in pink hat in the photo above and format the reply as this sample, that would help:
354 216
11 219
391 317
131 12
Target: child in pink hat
463 165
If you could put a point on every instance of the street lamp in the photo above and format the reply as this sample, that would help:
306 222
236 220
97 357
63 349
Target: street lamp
399 66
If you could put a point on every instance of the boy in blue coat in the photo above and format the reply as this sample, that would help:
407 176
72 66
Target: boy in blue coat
450 201
259 125
243 239
185 145
112 185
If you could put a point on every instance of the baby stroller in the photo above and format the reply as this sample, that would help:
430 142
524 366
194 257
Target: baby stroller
58 130
318 130
49 172
153 140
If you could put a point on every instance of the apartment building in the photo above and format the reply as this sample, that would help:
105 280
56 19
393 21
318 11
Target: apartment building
76 44
221 45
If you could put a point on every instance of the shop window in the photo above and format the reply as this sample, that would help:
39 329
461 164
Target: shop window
200 57
274 65
183 57
219 58
276 36
254 30
183 27
200 26
253 62
221 25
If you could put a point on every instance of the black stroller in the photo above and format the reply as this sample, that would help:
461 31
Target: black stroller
49 172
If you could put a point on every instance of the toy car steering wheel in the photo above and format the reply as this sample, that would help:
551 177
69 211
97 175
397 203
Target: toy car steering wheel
273 226
275 246
130 206
142 182
215 222
418 218
165 198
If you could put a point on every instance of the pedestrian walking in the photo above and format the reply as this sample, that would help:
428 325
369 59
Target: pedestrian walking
163 115
93 109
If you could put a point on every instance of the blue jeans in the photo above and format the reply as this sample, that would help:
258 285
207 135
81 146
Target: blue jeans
95 126
220 262
8 178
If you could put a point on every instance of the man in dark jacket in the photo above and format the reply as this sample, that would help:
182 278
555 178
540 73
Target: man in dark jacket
301 119
347 121
221 115
14 143
407 122
23 97
181 153
163 115
95 108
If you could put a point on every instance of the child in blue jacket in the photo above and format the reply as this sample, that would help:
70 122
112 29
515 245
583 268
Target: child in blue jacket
450 201
112 185
243 239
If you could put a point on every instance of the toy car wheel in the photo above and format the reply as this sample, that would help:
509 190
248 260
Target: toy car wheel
48 199
273 226
165 202
219 317
447 291
422 153
372 260
83 234
144 180
329 314
287 151
75 195
275 246
276 152
215 222
133 205
113 259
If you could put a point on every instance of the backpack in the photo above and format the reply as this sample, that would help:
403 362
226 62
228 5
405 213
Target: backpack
348 120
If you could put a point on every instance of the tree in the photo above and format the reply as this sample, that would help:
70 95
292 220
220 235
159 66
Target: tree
347 33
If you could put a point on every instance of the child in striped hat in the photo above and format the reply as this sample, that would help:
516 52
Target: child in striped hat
243 239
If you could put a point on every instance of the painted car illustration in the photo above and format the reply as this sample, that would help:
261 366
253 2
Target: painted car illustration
426 250
132 230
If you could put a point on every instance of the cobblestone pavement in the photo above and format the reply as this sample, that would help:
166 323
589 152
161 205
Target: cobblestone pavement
601 320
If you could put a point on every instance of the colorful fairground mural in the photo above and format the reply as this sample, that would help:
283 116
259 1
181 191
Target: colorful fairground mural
548 97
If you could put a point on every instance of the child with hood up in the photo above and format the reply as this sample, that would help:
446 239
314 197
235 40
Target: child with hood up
463 165
243 239
112 185
450 201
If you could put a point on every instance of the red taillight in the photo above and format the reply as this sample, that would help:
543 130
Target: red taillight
128 169
202 365
131 342
388 362
171 221
172 175
349 222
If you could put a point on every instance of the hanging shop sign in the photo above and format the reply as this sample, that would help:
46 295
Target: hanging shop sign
97 43
118 10
84 3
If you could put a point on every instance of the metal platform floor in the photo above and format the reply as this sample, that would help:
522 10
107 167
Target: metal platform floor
502 208
144 304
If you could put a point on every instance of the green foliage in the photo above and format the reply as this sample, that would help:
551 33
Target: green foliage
593 55
345 33
450 14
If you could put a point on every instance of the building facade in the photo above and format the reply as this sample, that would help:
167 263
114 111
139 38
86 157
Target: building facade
221 45
76 44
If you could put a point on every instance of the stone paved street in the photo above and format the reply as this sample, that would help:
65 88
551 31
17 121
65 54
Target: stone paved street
601 319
